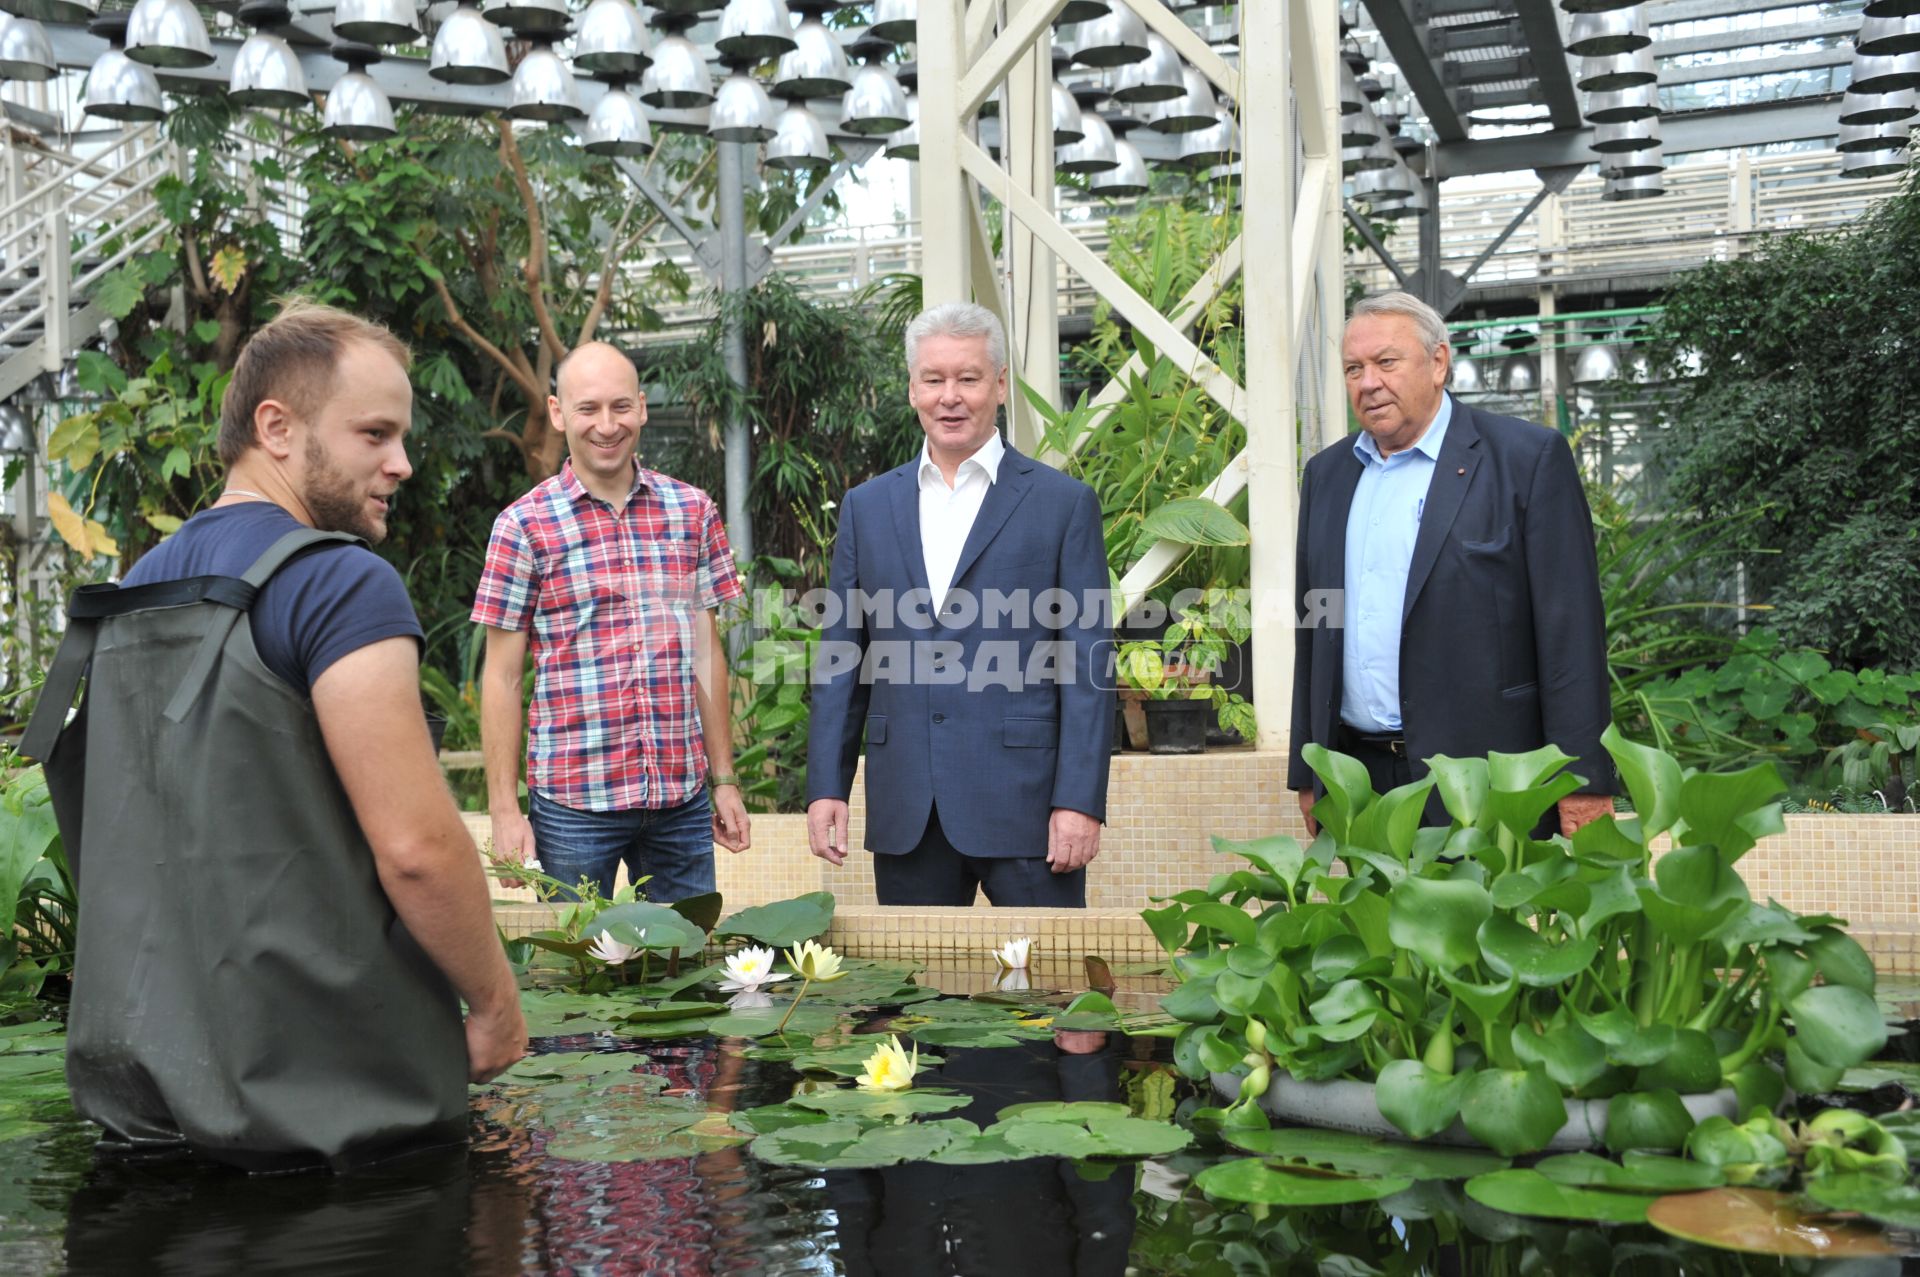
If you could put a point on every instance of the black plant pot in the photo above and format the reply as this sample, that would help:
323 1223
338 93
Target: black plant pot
1178 726
1119 728
437 729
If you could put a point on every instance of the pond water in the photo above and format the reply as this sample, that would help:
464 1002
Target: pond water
546 1187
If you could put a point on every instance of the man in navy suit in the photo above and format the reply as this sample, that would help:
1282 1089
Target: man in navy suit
1448 554
973 615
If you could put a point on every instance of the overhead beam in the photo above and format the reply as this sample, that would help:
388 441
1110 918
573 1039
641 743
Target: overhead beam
1665 11
1718 129
1407 42
1541 22
1752 35
1748 69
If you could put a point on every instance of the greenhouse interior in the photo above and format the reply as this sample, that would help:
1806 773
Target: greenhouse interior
1377 503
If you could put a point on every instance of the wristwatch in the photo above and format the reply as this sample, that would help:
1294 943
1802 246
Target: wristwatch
715 781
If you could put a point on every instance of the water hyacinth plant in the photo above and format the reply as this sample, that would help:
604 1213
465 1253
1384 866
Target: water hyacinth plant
1475 973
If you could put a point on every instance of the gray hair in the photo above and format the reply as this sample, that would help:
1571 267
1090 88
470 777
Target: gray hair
958 319
1426 320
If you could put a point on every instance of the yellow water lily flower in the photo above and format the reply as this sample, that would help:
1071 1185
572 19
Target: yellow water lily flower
1012 956
890 1068
750 969
611 951
814 962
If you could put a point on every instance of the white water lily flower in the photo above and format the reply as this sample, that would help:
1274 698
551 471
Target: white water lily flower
1013 980
749 999
889 1068
750 969
1012 955
814 962
611 951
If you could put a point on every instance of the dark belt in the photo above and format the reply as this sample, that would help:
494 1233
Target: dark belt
1392 744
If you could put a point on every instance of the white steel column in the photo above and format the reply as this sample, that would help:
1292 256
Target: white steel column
1033 305
946 196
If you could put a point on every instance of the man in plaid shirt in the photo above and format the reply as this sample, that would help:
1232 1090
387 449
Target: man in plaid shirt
617 572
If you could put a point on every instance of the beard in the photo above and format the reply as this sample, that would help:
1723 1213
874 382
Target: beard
331 500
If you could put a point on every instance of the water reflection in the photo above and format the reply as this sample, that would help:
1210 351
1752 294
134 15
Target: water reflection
1042 1215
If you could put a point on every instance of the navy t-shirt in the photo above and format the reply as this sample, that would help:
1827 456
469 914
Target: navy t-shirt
326 603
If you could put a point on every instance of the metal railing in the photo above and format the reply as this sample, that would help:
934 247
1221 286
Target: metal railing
1711 212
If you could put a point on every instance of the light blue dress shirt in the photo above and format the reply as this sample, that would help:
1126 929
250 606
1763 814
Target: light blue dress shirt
1381 528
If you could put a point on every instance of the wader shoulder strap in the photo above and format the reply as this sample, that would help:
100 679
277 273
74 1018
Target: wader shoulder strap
56 693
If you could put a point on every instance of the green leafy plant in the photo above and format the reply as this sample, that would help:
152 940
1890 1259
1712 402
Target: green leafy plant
1475 973
39 901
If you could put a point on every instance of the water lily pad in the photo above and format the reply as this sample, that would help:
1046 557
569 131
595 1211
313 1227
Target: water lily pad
1895 1204
1761 1222
1634 1172
978 1149
1527 1192
807 1145
1086 1129
1048 1139
1063 1110
807 1022
661 1012
890 1145
1256 1182
877 1105
548 1068
1875 1074
557 1014
768 1118
782 923
1364 1155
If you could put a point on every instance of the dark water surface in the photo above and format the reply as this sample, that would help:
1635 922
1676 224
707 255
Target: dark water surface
503 1206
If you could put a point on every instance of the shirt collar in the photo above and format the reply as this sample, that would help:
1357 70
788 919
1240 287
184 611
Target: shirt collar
577 491
1429 446
988 457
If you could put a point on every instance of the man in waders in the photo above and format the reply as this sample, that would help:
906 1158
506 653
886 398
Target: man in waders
278 900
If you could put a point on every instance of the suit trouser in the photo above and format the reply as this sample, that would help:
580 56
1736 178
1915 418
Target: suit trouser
938 873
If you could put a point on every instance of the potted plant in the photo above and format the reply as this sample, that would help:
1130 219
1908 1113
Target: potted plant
1171 677
1473 983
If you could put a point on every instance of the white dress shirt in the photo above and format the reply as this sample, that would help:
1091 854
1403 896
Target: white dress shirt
947 514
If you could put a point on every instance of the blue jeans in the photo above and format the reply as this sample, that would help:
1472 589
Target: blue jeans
671 846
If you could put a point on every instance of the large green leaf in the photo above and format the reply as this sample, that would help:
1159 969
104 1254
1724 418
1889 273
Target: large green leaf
1438 919
1570 1055
1760 1222
1633 1173
1279 855
783 923
1390 822
858 1103
1652 778
1418 1100
1349 790
1839 957
1351 1154
1236 924
1513 1111
1837 1026
27 829
1194 521
1647 1120
1732 811
646 925
1255 1182
1895 1204
1692 1067
1525 1192
1512 949
1486 1001
1463 785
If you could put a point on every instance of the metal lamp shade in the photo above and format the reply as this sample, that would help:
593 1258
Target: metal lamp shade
1155 78
468 49
1596 365
1067 128
905 145
543 89
1595 6
1126 179
267 73
1595 35
1858 164
1362 128
1626 135
875 104
25 51
1204 148
1465 378
1891 8
612 40
357 110
1095 152
1891 136
742 112
1083 11
1885 75
1616 106
678 80
894 20
1414 205
1358 159
167 33
1351 98
1878 108
816 66
1519 374
687 7
1644 187
377 21
530 17
799 141
618 125
1632 163
1194 109
1883 36
1376 185
52 10
118 88
751 30
1617 71
1112 41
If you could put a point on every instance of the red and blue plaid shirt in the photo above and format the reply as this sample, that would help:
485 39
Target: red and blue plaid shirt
612 600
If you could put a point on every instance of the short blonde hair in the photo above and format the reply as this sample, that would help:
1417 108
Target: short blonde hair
293 359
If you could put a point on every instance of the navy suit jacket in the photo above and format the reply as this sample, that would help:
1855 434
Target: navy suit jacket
1503 641
979 727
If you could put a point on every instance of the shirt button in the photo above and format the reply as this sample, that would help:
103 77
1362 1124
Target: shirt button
939 718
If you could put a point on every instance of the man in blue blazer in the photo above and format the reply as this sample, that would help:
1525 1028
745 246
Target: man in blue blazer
1450 598
972 626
